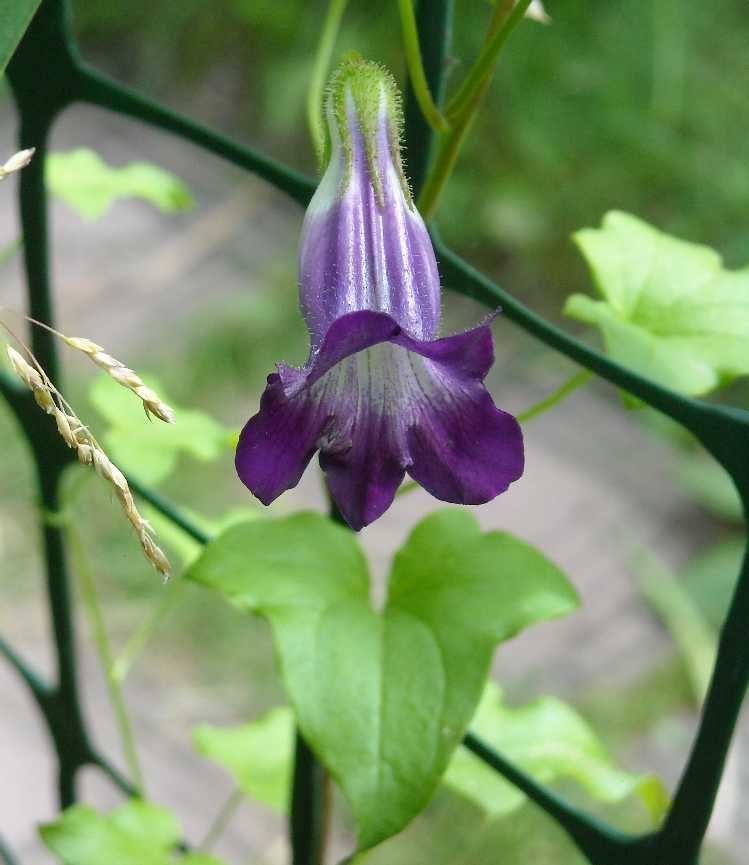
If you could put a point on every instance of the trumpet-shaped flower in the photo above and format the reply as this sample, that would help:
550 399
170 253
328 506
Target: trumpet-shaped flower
381 394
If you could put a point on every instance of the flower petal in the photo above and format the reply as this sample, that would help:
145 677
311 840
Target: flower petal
277 443
377 403
364 482
468 452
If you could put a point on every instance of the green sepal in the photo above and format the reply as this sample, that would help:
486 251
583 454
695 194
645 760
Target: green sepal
367 85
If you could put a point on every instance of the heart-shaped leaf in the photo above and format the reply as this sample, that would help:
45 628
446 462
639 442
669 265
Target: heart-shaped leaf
671 311
546 738
384 698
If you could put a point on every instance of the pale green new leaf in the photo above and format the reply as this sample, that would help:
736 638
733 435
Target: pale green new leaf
150 449
670 310
453 831
385 698
136 833
550 741
257 754
15 17
89 186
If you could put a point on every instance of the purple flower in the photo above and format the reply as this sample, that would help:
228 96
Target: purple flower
380 394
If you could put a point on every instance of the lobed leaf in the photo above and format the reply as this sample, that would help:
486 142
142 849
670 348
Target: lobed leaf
546 738
137 833
384 698
550 741
258 754
670 310
90 187
455 832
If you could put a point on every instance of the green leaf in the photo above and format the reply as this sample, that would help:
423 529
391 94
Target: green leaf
151 449
136 833
453 831
670 310
90 187
15 17
550 741
257 754
384 698
526 837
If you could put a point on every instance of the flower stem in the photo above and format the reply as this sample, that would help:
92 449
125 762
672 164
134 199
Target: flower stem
104 650
462 108
434 23
447 155
419 83
571 385
483 69
320 67
221 820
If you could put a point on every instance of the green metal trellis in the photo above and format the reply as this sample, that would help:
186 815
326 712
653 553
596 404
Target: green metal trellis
47 75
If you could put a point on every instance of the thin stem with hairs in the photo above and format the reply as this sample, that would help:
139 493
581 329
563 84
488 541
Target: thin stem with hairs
462 108
419 83
500 29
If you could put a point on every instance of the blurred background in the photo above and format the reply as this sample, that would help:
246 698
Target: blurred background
625 104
